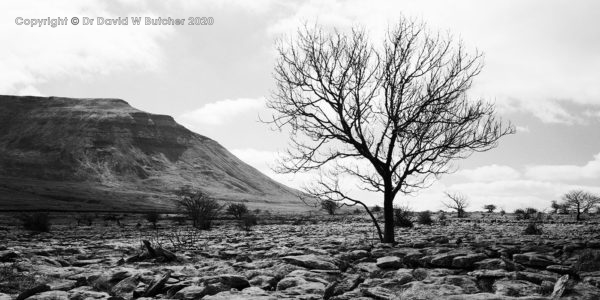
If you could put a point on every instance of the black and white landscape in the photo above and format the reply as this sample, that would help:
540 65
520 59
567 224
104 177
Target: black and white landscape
299 150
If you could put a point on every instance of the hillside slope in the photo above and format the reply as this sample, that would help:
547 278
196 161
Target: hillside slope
103 154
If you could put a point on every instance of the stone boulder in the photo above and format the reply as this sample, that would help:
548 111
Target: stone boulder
389 262
194 292
311 261
226 281
252 293
510 287
426 291
535 260
467 261
51 295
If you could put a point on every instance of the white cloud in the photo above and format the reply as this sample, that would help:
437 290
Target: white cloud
591 170
523 129
260 159
28 90
502 186
489 173
31 56
524 62
220 112
265 161
592 113
515 194
257 6
546 110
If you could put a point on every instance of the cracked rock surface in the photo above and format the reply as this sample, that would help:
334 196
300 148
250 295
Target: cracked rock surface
326 258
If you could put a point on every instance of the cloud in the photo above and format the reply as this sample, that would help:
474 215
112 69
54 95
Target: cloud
31 56
260 159
594 114
490 173
265 161
220 112
515 194
526 68
502 186
523 129
258 6
591 170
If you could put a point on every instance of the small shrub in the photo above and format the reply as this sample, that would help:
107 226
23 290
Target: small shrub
152 218
588 261
179 219
248 221
184 238
442 218
526 214
502 212
424 218
299 221
199 207
564 209
376 208
403 217
555 206
38 222
85 219
519 213
114 218
14 281
237 210
357 211
530 213
532 228
329 206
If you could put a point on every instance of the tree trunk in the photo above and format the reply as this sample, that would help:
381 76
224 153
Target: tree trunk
388 215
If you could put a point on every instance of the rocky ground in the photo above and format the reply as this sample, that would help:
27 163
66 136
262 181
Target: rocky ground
336 258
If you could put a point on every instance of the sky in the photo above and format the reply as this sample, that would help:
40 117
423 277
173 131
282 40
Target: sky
542 70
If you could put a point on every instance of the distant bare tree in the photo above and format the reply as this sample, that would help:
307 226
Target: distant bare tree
152 217
555 206
200 207
580 201
490 207
237 210
393 117
457 202
591 202
329 206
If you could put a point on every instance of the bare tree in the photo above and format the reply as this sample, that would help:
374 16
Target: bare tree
237 210
591 202
200 207
580 201
457 202
392 116
555 206
329 206
489 207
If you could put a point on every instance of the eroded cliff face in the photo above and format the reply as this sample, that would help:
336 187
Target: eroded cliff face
80 146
